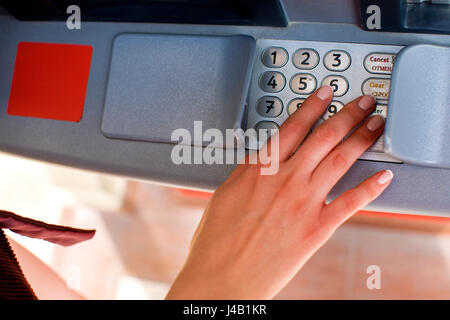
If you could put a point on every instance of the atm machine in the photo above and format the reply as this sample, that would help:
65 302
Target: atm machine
105 92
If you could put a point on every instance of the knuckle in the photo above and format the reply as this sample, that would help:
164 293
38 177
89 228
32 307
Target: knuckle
327 134
339 161
352 201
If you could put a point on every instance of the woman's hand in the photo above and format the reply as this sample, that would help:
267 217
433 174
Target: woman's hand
259 230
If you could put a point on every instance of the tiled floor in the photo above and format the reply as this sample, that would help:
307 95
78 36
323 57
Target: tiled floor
143 234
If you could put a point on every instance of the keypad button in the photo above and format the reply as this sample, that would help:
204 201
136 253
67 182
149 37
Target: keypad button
333 108
338 83
376 87
379 63
294 105
274 57
303 83
267 126
272 81
305 59
378 146
381 109
269 107
337 60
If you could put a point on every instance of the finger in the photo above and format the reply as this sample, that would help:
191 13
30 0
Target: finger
331 132
338 161
353 200
297 126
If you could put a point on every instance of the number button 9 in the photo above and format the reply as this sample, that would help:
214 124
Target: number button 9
303 83
269 107
272 81
337 60
332 109
306 59
274 57
338 83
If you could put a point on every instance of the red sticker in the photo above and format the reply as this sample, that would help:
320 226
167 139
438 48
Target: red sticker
50 81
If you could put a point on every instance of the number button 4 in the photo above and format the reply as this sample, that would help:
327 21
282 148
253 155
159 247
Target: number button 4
269 107
274 57
272 81
337 60
338 83
303 83
306 59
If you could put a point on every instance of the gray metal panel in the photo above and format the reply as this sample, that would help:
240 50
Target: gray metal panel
415 189
158 83
418 127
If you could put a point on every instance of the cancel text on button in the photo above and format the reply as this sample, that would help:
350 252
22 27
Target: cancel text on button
377 87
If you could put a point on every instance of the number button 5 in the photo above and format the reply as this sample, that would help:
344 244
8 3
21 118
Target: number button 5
274 57
303 83
272 81
305 59
337 60
269 107
338 83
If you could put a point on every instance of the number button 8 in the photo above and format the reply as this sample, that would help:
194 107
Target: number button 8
272 81
337 60
306 59
274 57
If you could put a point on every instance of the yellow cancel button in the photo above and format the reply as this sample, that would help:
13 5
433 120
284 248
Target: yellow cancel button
377 87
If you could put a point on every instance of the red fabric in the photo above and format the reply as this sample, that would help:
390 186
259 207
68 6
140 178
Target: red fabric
65 236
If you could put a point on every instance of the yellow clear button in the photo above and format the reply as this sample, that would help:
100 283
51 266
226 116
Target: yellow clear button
377 87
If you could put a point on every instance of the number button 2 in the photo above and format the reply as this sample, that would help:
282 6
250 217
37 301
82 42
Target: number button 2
274 57
303 83
272 81
337 60
338 83
306 59
332 109
269 107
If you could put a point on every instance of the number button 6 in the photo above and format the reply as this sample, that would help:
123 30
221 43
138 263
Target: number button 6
338 83
337 60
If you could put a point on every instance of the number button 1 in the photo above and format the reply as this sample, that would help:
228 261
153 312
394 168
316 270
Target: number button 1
338 83
303 83
269 107
305 59
272 81
337 60
274 57
332 109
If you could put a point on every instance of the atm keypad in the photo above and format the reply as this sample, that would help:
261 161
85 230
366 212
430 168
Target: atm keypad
288 71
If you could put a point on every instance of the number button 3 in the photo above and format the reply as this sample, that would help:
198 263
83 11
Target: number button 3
269 107
274 57
272 81
338 83
303 83
305 59
337 60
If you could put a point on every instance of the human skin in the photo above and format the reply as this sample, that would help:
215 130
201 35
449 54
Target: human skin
259 230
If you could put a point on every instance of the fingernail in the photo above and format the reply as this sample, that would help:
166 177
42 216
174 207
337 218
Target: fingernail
375 122
324 93
386 176
366 102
